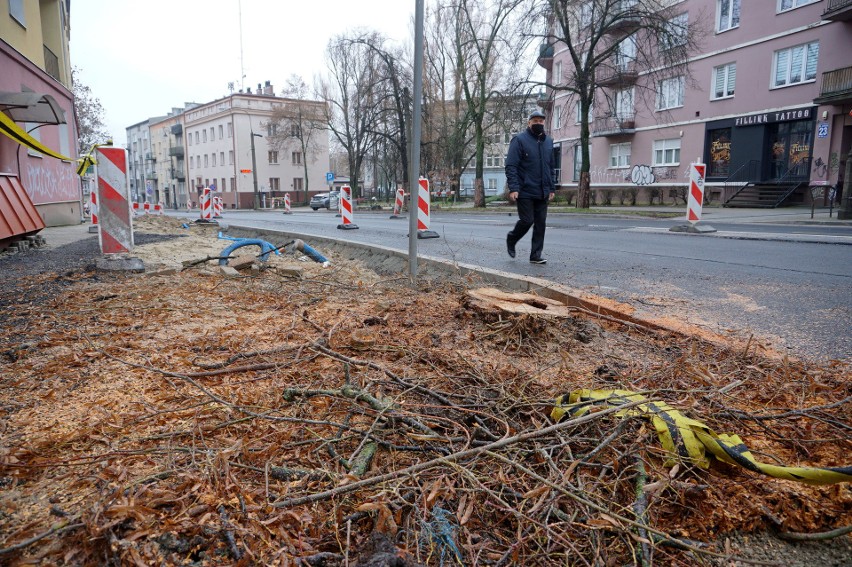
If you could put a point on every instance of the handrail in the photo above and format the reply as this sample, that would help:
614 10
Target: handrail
803 165
837 5
745 174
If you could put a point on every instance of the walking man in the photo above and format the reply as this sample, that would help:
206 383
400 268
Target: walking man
529 174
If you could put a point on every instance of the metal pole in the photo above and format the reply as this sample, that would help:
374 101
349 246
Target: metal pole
254 171
414 172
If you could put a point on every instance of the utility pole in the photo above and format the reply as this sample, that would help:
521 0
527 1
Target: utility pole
414 172
254 170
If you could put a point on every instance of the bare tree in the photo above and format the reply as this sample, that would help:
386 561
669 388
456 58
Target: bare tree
490 38
351 95
298 124
611 41
90 115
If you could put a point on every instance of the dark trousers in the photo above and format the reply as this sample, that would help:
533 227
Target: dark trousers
531 213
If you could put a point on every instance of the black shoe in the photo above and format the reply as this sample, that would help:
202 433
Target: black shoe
538 261
510 248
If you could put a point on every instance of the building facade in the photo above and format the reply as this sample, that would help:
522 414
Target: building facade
225 145
36 94
767 100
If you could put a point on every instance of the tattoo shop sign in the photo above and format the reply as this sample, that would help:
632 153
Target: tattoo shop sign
775 116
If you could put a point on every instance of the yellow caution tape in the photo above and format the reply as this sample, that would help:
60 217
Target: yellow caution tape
12 130
689 439
89 159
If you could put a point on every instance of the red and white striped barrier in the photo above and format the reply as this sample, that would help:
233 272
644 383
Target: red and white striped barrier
287 210
93 209
206 204
346 208
114 219
397 204
423 210
217 207
147 209
696 192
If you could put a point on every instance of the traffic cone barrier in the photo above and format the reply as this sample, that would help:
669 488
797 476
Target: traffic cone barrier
397 205
423 211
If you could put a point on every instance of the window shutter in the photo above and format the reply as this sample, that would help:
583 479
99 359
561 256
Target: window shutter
813 55
732 78
781 62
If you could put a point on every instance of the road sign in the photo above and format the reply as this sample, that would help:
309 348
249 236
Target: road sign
329 177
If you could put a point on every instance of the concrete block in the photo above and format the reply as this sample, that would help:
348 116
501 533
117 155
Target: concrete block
242 262
229 271
120 264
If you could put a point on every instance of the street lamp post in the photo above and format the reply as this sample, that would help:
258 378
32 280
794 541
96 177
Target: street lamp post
254 170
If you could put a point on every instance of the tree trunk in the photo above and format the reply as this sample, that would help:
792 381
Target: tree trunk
583 190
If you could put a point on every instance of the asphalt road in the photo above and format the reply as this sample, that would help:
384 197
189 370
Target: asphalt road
790 285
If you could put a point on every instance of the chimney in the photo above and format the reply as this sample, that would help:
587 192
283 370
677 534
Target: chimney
267 89
248 90
259 89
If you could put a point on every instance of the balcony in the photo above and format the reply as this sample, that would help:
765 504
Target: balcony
150 176
620 125
177 129
545 55
624 18
838 11
545 102
178 174
150 157
836 86
176 151
51 63
620 76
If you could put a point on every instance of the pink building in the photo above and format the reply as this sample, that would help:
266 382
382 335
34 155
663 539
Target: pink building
766 106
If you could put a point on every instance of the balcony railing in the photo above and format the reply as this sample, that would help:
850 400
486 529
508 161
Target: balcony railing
545 55
620 76
625 18
177 129
836 86
838 10
618 125
176 151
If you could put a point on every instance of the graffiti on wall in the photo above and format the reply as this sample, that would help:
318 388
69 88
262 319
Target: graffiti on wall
643 175
50 182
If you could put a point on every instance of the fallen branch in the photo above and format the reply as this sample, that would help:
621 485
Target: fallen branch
57 529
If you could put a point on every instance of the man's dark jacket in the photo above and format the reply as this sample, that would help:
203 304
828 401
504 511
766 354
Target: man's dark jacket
529 166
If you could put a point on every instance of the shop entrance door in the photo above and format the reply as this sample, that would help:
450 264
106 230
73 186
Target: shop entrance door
790 150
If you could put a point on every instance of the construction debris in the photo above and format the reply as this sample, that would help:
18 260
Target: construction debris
347 418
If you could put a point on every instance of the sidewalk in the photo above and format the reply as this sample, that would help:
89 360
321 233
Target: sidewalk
785 215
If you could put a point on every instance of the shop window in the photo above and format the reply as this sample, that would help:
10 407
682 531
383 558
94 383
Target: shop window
720 153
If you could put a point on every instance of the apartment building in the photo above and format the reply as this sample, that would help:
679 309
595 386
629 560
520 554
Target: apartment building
767 103
35 93
225 145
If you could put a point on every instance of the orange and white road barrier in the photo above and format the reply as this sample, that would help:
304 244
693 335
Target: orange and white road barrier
114 219
423 211
397 205
346 208
696 192
206 205
287 210
217 207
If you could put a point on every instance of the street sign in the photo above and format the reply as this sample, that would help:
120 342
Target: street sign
329 177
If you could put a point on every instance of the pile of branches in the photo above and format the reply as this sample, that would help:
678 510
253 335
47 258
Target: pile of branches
194 420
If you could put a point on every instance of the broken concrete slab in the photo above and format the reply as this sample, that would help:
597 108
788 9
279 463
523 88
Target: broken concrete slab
693 228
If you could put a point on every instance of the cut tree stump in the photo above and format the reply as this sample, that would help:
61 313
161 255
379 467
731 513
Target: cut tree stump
488 299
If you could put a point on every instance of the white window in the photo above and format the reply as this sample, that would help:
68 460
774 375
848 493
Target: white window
675 33
624 105
221 135
196 136
667 152
784 5
206 161
16 10
578 160
729 15
274 183
557 118
670 93
795 65
273 157
222 161
230 129
492 185
298 183
205 136
557 73
271 129
626 53
619 155
296 158
214 159
230 157
724 79
191 162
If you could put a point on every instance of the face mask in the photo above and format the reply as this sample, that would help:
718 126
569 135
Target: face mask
537 129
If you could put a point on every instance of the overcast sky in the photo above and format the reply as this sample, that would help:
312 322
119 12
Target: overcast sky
142 58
